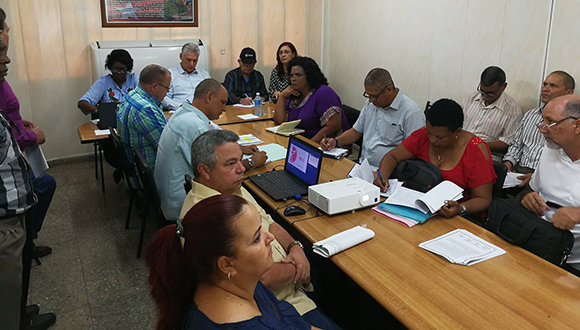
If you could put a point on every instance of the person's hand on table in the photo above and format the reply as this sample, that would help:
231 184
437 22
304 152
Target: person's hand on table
383 185
297 257
534 203
450 209
328 143
246 101
259 158
248 150
566 217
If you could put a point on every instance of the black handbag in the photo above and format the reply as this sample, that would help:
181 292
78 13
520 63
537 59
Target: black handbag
508 219
417 174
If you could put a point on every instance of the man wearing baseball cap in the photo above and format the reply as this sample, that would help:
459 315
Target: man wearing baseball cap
244 82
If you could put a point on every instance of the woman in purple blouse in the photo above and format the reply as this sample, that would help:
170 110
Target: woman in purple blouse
310 99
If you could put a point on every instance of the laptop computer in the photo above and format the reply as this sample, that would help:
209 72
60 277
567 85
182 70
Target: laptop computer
107 115
302 169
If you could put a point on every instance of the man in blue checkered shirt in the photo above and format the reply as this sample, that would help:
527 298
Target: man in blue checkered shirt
140 119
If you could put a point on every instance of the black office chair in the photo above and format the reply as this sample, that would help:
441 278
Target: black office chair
352 116
152 199
128 170
501 172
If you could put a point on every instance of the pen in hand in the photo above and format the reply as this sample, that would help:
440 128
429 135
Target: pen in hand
380 177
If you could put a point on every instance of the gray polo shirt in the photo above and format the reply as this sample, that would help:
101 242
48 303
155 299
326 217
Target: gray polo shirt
385 128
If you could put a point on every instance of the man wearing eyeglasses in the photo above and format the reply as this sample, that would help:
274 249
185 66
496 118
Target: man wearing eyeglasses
490 113
185 77
556 180
525 148
387 118
140 119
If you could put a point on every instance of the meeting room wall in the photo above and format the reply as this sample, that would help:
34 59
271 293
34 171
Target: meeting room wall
439 48
50 53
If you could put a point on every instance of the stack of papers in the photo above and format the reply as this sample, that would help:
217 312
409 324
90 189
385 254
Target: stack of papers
249 139
417 207
248 116
342 241
462 247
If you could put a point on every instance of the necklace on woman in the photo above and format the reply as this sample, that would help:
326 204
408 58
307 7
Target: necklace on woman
439 160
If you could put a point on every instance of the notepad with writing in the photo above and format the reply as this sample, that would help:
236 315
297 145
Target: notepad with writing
462 247
287 128
342 241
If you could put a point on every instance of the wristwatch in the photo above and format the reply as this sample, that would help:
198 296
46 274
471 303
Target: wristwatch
251 162
291 245
463 209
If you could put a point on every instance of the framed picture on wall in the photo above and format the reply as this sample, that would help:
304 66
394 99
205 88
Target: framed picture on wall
149 13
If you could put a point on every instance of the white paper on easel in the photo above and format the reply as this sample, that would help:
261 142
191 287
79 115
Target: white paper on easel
36 160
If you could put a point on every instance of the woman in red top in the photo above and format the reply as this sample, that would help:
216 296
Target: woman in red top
462 157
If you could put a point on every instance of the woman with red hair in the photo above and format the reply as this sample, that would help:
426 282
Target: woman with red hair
205 271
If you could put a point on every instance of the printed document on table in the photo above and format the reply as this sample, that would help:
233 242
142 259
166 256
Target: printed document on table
248 116
239 105
462 247
249 139
102 132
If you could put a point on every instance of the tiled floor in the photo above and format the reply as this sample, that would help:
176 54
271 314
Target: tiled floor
92 280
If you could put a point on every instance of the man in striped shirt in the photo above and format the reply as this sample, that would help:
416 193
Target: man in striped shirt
490 113
525 149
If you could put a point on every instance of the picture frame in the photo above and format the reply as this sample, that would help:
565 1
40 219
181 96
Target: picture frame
149 13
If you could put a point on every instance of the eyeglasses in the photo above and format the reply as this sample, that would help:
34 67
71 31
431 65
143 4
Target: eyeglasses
543 125
296 75
488 93
119 70
374 97
166 88
282 52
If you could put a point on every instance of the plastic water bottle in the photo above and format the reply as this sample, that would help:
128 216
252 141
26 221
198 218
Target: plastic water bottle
258 105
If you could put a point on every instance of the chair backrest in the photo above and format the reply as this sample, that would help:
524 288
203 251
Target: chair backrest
501 171
187 183
126 165
147 179
352 116
427 106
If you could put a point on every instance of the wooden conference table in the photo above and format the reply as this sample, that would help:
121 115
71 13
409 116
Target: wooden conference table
87 130
516 290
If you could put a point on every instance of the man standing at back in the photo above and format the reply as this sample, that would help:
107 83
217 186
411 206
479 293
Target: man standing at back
387 118
174 151
525 149
490 113
140 119
184 77
244 82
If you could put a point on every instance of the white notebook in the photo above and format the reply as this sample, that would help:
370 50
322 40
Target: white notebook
462 247
430 201
342 241
287 128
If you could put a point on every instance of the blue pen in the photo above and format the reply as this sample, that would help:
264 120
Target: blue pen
380 177
252 101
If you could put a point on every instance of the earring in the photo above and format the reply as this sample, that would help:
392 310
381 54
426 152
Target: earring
228 276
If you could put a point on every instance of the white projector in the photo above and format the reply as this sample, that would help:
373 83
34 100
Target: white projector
343 195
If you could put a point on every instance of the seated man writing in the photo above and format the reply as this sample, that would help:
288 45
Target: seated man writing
216 161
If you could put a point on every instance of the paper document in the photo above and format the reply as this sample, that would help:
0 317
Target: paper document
248 116
511 180
273 151
239 105
249 139
462 247
36 160
429 202
287 128
342 241
335 152
397 218
94 121
363 171
102 132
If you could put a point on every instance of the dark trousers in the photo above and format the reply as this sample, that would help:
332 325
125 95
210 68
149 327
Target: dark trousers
44 187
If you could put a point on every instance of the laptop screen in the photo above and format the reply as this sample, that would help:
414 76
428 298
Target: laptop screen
303 160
